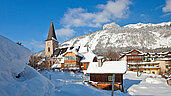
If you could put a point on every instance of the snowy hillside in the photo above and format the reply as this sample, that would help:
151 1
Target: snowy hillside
17 78
40 54
139 35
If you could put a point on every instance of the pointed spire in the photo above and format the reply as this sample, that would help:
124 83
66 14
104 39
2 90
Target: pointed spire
51 34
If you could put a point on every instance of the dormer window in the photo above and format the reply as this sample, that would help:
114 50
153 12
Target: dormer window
134 53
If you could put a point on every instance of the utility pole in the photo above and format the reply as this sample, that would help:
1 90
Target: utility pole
137 69
113 84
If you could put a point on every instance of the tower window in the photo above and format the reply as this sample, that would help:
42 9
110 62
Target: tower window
48 43
48 49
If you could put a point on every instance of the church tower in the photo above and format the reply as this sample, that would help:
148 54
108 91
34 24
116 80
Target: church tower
51 43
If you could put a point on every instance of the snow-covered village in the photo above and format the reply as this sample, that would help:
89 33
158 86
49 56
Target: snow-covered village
85 48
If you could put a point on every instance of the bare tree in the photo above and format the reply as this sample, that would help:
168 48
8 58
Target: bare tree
112 55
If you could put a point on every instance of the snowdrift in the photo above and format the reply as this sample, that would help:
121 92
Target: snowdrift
16 77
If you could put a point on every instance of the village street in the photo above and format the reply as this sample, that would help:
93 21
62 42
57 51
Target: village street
71 84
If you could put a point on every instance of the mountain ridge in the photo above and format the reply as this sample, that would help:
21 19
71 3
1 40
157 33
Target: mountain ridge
148 36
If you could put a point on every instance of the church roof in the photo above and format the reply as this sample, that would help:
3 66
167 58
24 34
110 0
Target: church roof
51 34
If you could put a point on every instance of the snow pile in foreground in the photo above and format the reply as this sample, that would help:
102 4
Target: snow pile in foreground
17 78
146 84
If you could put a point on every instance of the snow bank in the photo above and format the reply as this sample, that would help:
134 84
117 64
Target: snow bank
17 78
12 54
153 80
146 84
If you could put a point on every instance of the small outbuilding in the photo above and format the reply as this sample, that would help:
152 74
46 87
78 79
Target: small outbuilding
101 74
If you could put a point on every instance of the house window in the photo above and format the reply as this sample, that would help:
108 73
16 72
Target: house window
72 57
66 57
110 78
86 66
134 53
73 65
129 57
69 57
48 49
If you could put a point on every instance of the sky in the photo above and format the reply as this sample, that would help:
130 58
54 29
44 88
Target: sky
28 21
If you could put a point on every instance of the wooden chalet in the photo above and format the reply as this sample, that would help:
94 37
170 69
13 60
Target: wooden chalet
101 74
72 60
133 56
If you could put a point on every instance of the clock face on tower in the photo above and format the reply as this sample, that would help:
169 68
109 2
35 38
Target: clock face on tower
48 43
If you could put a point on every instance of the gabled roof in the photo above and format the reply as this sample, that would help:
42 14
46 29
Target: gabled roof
76 53
88 57
51 34
128 53
139 52
119 67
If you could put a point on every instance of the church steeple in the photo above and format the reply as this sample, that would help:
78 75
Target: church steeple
51 43
51 34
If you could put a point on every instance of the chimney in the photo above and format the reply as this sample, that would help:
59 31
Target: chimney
100 61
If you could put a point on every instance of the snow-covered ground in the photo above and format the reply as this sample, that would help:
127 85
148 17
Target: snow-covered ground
17 78
71 84
146 84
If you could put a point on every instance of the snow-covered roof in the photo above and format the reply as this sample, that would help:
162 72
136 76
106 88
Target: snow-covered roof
143 63
131 54
146 67
56 66
83 49
100 57
128 53
108 67
73 51
164 59
88 57
60 59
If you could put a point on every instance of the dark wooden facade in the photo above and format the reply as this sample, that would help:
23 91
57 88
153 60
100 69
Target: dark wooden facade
106 78
135 56
105 81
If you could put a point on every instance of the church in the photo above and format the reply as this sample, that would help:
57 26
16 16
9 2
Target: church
66 58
